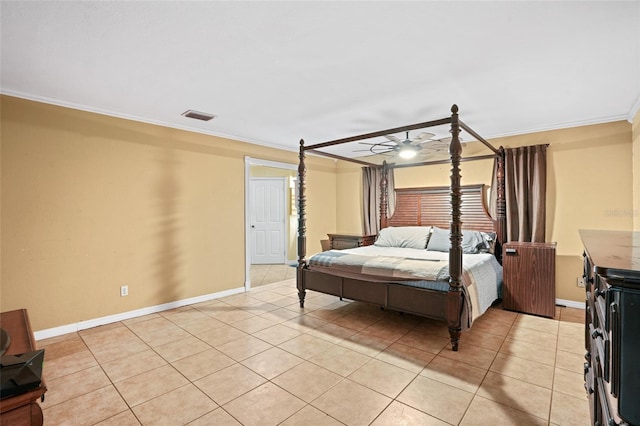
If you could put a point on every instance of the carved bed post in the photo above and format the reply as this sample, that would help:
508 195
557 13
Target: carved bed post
501 205
455 295
384 195
302 226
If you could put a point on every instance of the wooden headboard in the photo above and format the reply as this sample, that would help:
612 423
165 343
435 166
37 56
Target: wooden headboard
432 206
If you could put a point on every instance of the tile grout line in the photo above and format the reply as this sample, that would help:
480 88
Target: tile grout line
307 331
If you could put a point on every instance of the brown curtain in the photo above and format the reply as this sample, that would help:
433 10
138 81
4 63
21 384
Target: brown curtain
371 177
525 192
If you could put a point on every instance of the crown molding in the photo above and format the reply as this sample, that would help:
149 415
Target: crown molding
560 126
109 113
634 110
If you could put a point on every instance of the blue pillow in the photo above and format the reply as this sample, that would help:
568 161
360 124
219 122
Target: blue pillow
439 240
472 241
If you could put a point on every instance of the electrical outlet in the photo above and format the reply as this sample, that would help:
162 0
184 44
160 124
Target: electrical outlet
580 281
124 290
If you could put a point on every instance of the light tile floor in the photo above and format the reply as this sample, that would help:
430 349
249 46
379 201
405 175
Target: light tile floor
269 274
257 359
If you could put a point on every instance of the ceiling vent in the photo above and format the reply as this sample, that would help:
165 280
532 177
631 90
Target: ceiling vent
203 116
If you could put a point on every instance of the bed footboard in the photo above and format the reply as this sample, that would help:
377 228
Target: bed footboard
412 300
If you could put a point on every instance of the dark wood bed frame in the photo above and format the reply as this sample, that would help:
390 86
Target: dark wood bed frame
444 207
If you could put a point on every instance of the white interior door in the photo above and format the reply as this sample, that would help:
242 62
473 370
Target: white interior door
267 220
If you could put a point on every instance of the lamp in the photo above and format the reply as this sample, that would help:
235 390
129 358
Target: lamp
407 152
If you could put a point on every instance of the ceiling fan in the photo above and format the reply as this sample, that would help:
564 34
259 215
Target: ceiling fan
421 145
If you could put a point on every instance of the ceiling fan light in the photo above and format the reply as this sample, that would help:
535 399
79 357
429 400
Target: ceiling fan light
407 153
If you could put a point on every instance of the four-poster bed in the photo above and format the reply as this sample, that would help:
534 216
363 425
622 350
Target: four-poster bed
455 207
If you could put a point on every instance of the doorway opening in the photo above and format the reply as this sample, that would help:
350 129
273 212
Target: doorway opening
270 221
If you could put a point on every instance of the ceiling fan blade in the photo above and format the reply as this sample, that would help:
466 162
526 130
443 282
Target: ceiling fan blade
448 139
421 157
367 155
392 138
440 147
422 137
388 144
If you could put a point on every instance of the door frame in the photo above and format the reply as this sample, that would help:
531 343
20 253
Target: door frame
248 162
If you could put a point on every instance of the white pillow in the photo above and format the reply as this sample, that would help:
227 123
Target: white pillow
404 236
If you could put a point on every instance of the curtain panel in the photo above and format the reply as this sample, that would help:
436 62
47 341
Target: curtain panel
525 171
371 178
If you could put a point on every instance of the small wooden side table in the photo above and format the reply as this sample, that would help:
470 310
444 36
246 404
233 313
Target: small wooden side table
20 409
529 274
345 241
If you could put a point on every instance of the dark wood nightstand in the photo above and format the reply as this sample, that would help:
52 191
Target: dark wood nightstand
529 274
345 241
21 409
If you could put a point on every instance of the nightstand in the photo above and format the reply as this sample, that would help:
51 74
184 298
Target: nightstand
345 241
529 275
21 408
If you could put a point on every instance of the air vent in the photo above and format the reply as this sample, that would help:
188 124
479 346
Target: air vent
198 115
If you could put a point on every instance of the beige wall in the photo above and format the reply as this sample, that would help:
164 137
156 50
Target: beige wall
636 172
91 202
589 182
349 198
321 205
589 187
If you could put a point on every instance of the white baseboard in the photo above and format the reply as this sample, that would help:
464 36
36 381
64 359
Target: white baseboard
83 325
570 303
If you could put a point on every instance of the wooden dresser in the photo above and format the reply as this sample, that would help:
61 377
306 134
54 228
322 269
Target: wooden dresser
612 326
529 274
20 409
345 241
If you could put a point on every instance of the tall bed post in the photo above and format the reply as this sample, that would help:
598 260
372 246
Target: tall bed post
501 205
302 226
384 195
455 295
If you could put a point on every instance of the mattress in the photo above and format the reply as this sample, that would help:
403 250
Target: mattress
481 277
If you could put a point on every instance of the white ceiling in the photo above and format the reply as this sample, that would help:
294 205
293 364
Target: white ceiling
275 72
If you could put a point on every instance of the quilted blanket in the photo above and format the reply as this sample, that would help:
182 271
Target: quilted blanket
383 267
481 276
